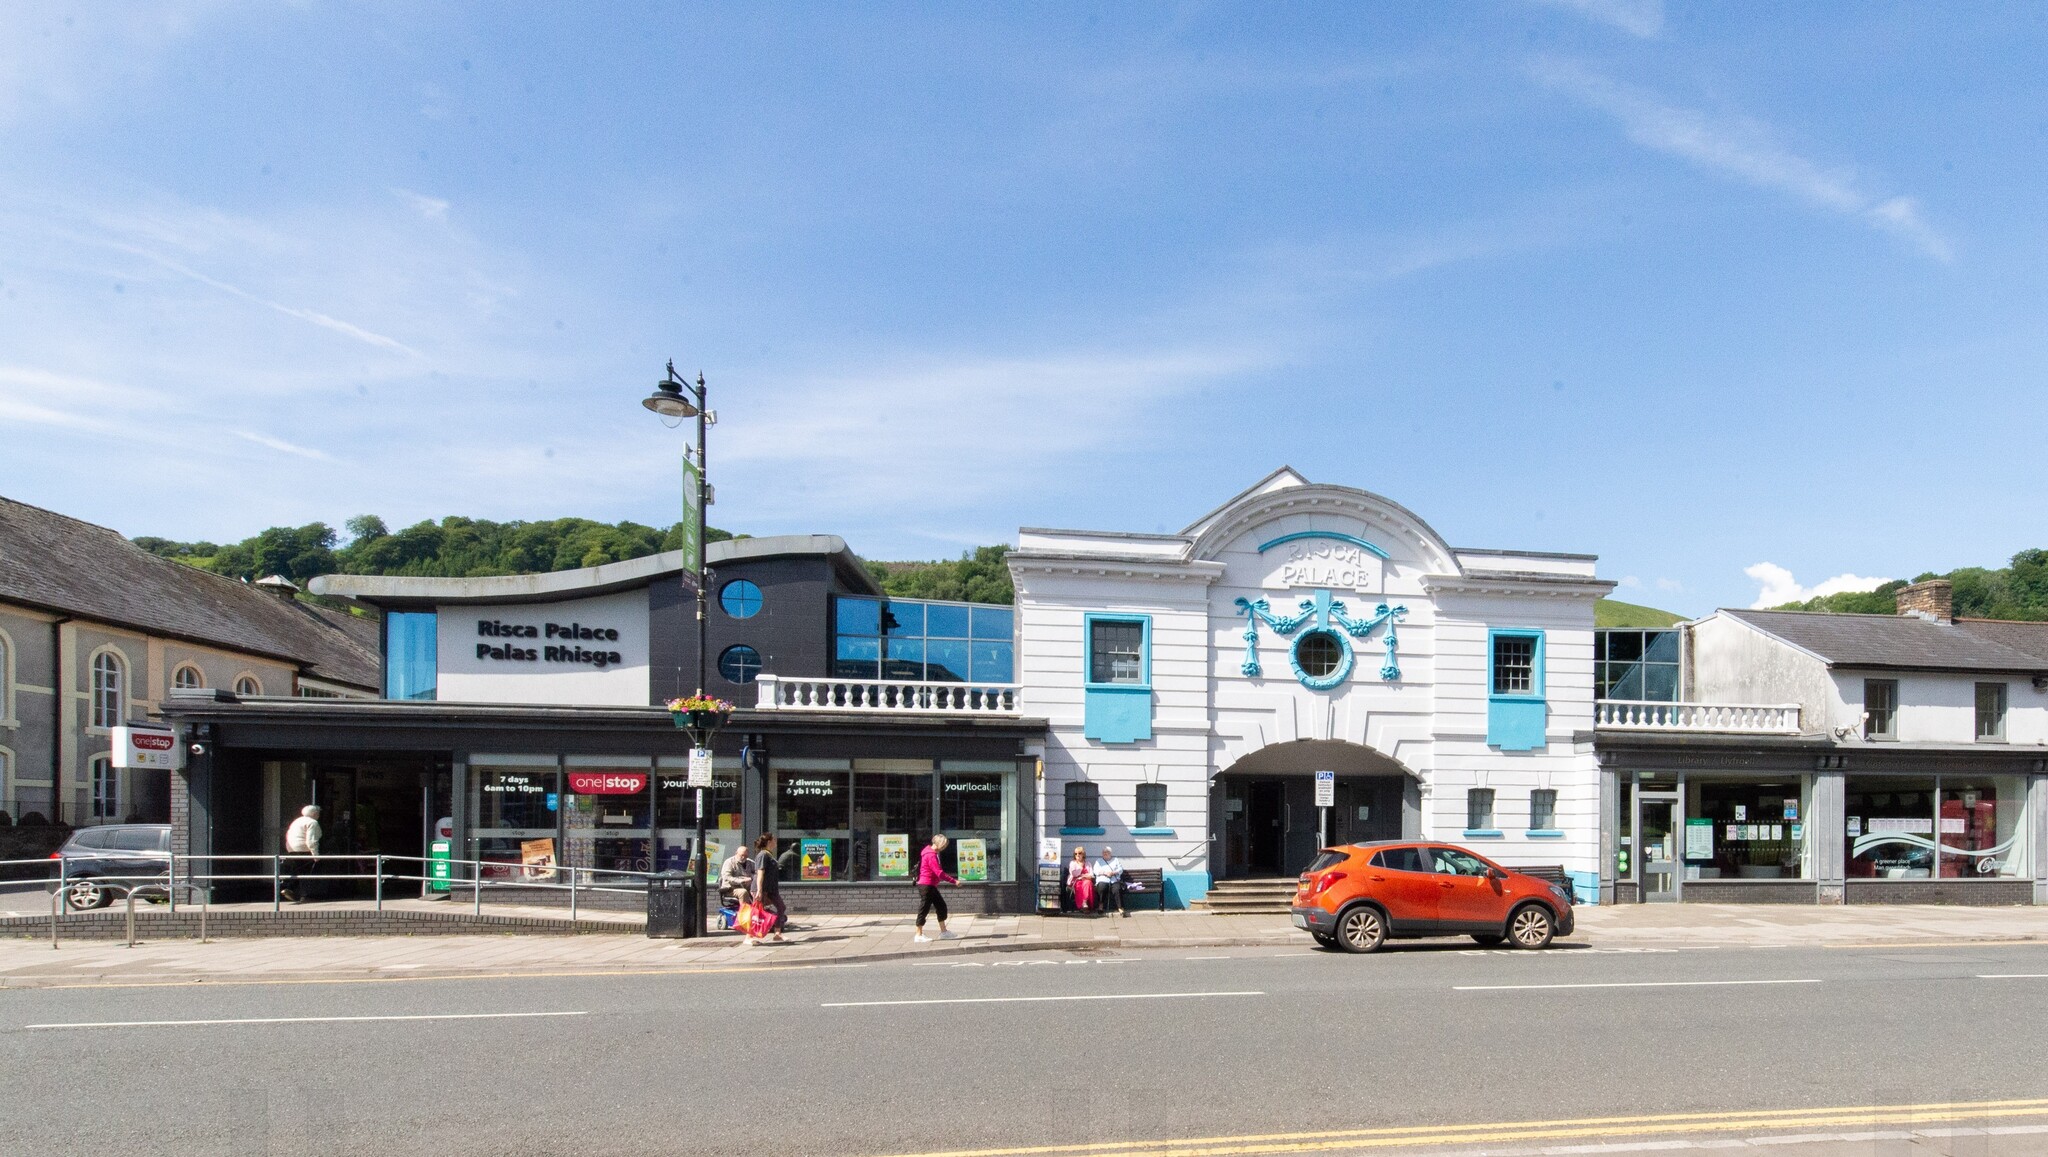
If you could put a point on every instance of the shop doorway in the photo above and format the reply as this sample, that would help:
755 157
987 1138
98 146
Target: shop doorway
1265 827
1659 847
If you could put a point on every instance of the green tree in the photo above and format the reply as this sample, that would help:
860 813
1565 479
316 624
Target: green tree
978 576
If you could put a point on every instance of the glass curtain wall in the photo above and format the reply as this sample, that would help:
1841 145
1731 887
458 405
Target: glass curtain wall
1636 665
1951 827
922 641
410 655
869 819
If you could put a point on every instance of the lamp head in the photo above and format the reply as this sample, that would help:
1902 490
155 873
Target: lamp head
668 400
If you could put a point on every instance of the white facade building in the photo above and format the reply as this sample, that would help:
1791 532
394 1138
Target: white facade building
1194 684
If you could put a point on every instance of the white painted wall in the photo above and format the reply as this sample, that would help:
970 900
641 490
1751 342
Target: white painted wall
1942 708
467 677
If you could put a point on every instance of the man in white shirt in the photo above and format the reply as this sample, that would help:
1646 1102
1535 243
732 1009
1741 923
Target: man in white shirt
301 839
1109 882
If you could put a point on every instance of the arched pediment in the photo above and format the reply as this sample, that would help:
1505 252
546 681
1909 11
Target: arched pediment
1287 509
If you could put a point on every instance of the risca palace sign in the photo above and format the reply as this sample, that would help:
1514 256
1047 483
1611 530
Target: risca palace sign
584 651
1318 558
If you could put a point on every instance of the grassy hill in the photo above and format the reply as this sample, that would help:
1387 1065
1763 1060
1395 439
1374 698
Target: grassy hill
1615 613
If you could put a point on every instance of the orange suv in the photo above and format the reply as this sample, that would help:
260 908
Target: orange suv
1357 896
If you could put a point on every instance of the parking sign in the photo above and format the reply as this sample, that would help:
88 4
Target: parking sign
1326 789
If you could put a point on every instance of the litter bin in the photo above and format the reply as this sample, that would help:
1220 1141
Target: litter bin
671 902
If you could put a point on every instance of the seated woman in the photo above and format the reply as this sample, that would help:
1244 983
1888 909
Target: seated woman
1080 882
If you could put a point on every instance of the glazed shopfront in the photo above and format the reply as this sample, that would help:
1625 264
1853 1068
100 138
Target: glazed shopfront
1798 820
527 789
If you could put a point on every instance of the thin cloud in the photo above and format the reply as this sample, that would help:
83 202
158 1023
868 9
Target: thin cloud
1777 586
1740 148
432 208
282 446
1642 18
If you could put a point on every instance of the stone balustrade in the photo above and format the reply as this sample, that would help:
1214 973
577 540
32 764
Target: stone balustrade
884 696
1723 718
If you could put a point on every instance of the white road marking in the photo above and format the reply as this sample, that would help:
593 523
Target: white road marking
1208 958
1037 999
2014 976
1625 984
302 1020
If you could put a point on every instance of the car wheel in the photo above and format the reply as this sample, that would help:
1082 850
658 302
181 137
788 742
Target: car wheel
1488 939
84 895
1531 926
1362 929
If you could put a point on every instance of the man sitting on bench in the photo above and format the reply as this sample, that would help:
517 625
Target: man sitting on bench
1109 882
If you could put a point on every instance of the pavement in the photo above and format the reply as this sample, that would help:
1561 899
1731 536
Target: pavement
827 940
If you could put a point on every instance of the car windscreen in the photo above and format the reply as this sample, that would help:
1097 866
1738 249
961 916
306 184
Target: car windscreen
1327 859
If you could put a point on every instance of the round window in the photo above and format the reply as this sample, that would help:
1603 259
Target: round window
1320 654
740 598
739 664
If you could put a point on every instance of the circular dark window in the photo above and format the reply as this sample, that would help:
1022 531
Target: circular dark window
740 598
739 664
1320 654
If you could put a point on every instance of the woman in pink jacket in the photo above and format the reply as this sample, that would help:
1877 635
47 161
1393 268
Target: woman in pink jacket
929 875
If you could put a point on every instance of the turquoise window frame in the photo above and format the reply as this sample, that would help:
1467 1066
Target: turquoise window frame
1116 712
1516 721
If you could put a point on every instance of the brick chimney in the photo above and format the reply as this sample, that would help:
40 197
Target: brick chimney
1934 599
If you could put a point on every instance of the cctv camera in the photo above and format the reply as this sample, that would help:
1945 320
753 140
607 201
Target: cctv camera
199 749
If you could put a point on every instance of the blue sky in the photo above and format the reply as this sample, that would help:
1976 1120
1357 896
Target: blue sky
1701 289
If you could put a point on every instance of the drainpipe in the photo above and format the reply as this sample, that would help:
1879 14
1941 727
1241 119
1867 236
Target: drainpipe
57 701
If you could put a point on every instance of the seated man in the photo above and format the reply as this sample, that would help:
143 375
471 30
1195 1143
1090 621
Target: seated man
1109 882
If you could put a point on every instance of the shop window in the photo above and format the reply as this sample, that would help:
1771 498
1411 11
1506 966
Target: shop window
1543 810
248 685
515 804
813 812
187 678
1151 805
1516 713
1083 809
109 688
675 802
892 818
1880 709
1921 827
411 655
1479 810
1745 830
971 809
106 790
1635 665
1991 712
739 664
740 599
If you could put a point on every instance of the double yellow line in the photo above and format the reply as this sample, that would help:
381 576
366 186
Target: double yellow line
1661 1124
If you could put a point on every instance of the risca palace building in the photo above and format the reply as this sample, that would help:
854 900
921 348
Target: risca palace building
1194 684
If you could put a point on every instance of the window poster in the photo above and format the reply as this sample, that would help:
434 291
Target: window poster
1855 825
1791 809
892 855
1741 811
1699 839
973 859
817 860
538 858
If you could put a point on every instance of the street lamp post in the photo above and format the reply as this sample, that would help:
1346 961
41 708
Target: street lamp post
676 397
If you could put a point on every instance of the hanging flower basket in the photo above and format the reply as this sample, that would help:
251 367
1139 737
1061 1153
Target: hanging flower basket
700 714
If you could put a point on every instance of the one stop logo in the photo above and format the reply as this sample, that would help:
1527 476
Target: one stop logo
607 782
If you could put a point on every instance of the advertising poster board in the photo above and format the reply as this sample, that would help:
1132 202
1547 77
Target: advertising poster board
892 855
973 860
1699 839
817 860
538 858
147 747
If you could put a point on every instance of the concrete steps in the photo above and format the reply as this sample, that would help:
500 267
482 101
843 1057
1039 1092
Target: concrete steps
1273 894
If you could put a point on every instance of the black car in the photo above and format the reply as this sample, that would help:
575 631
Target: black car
102 864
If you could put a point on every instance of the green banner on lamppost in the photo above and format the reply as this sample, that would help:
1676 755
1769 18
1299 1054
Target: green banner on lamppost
693 515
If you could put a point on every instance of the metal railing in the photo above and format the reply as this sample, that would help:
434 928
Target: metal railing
168 874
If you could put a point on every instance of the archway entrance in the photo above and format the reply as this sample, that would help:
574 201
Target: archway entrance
1264 812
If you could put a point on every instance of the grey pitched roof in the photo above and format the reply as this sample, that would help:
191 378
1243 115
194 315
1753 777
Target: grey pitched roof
2026 638
1907 642
71 567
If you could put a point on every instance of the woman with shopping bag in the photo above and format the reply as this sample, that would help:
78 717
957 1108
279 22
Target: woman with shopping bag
765 916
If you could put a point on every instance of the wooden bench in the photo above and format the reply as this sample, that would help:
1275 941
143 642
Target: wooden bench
1148 882
1552 873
